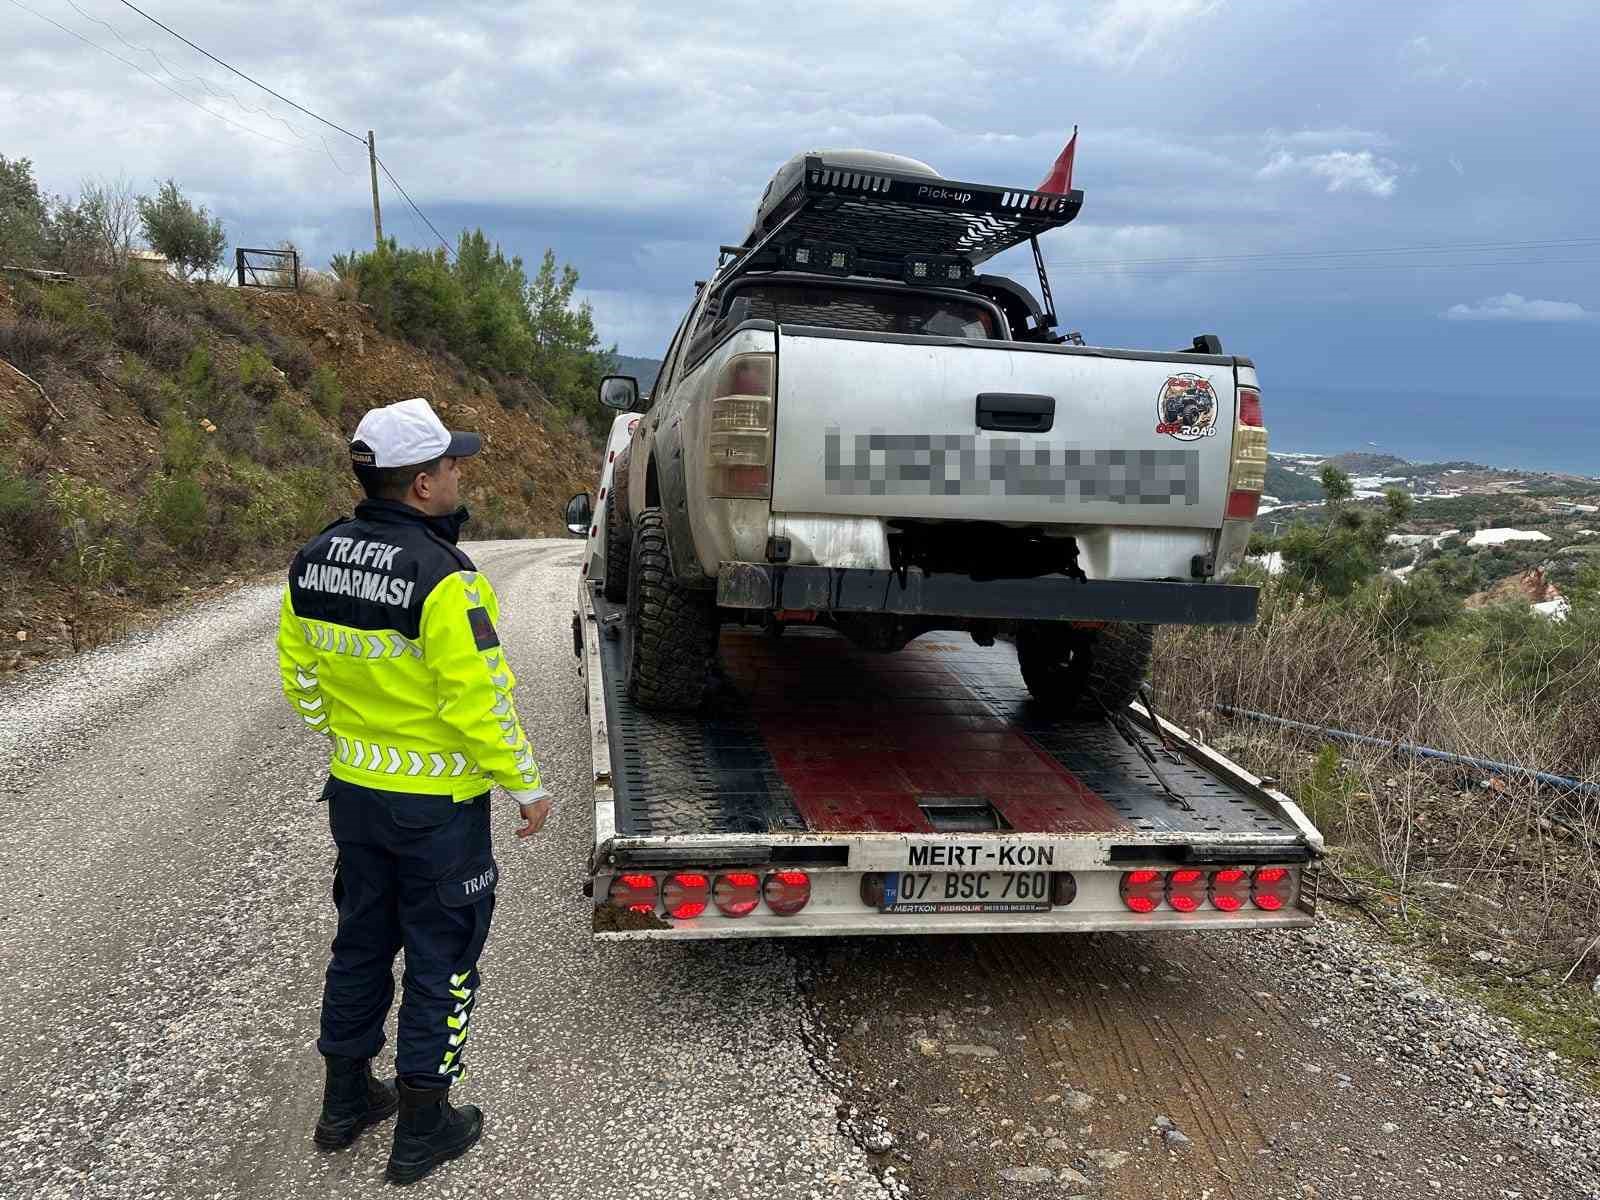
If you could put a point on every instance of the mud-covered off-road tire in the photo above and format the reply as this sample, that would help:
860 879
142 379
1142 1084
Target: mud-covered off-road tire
619 550
671 629
1079 673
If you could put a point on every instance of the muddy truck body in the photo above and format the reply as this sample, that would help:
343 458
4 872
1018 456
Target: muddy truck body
871 586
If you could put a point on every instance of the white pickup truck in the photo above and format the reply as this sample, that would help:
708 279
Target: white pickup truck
856 441
854 429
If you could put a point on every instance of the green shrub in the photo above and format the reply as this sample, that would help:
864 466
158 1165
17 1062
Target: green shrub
327 393
94 561
318 495
198 377
1325 791
287 434
152 394
68 305
177 508
237 419
30 524
255 507
82 501
183 443
1419 602
483 309
257 376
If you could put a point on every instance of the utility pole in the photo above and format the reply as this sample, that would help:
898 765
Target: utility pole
377 214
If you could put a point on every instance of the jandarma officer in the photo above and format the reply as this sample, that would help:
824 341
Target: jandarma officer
387 646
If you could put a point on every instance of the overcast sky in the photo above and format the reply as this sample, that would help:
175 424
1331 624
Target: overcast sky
633 139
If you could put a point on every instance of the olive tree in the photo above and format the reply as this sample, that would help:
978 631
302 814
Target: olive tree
189 236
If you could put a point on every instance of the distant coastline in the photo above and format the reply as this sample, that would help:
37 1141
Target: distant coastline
1549 434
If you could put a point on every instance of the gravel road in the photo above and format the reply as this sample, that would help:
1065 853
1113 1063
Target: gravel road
164 922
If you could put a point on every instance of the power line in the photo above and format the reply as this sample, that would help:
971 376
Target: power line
154 79
181 77
447 247
302 108
241 74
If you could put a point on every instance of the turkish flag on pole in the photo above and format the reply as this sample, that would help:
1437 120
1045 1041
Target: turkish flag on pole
1060 177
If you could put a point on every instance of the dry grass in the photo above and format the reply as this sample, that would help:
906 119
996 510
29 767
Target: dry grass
1516 863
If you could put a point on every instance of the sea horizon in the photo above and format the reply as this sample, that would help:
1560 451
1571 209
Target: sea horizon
1427 427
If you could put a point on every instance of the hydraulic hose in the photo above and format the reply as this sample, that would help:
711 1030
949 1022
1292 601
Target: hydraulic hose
1482 764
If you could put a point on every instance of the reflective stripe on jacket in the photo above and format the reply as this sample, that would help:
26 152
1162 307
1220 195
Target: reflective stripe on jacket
387 644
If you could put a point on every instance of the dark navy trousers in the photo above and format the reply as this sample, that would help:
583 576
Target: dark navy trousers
414 873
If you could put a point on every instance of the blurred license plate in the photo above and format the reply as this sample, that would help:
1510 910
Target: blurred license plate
967 891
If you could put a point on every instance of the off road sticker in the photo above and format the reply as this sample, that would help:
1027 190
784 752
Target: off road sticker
1186 408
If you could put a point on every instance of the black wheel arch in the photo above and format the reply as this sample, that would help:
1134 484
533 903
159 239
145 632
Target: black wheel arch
666 481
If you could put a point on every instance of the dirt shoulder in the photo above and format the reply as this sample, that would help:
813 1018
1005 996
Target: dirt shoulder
1293 1064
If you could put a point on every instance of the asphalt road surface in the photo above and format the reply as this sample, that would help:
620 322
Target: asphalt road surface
165 917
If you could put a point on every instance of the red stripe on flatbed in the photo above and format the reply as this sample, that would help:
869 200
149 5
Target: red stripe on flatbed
861 739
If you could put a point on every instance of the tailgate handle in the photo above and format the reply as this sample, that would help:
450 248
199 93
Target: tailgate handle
1010 412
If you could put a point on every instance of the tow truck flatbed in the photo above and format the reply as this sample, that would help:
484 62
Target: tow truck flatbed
871 775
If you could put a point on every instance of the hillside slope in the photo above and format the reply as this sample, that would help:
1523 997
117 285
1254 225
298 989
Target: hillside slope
191 434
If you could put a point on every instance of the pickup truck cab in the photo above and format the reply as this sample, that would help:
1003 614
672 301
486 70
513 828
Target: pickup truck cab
853 428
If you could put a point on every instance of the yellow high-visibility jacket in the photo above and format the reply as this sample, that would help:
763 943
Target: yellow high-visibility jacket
387 644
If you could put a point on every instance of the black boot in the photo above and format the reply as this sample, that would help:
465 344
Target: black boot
352 1099
430 1131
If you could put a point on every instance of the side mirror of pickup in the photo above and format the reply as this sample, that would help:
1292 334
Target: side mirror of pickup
580 513
620 392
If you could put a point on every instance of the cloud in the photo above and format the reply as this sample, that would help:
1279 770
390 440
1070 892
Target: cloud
1341 135
1343 169
1433 65
1512 307
633 138
1124 30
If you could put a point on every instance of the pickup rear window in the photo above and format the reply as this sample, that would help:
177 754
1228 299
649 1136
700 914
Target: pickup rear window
870 310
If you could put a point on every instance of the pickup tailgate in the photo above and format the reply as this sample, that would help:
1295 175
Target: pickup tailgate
903 426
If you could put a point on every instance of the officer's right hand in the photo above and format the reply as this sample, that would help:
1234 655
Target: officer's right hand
533 817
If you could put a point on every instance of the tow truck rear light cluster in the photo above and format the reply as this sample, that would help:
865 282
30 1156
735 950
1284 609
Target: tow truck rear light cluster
684 895
1226 889
1230 889
636 893
739 429
1141 890
787 892
737 893
1186 889
1271 888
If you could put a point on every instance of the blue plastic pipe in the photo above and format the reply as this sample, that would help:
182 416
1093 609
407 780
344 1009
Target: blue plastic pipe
1481 764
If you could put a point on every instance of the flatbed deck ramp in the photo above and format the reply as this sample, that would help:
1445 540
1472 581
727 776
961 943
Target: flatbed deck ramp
809 734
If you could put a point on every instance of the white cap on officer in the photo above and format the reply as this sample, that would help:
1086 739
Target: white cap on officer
405 434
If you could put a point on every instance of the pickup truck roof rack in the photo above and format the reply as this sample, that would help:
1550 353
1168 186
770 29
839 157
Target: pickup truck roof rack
879 219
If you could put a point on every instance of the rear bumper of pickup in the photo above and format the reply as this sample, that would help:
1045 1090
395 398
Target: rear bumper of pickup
772 586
